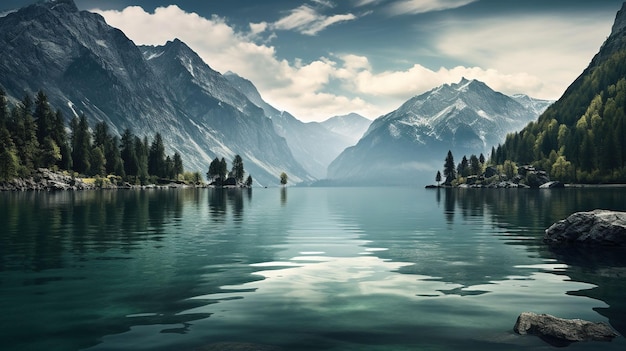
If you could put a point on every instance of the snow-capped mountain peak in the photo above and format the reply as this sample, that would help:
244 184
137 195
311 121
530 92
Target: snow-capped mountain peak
467 117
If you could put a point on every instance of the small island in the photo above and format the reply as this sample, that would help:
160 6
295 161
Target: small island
476 172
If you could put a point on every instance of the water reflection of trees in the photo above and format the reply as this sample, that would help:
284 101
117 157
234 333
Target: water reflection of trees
36 228
221 199
530 207
538 209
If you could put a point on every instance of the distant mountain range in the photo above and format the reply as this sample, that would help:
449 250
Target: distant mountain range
315 145
466 118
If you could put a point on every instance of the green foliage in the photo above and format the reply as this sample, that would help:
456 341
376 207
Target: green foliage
283 178
38 139
249 181
582 137
463 169
156 158
192 177
475 166
215 170
50 153
178 165
81 144
237 170
449 170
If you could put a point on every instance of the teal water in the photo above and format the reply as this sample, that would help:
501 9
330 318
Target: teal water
298 269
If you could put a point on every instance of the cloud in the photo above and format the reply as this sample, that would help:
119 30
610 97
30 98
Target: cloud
296 87
413 7
538 56
554 48
395 87
309 21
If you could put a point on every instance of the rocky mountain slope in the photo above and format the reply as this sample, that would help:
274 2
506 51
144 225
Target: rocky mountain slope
467 118
86 66
580 138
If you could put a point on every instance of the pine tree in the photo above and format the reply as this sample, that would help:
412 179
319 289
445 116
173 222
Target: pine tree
214 170
9 162
50 153
475 168
97 162
448 168
81 144
43 117
59 136
463 170
114 163
156 157
128 154
237 170
4 109
178 164
141 151
23 130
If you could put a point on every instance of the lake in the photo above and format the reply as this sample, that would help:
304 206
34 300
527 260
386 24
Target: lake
298 269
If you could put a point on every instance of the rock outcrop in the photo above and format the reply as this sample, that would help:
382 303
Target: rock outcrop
561 330
46 180
598 227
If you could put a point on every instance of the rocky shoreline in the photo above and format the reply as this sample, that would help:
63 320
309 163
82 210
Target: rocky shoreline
527 178
44 179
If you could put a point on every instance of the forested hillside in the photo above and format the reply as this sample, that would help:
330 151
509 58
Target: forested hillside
33 135
582 137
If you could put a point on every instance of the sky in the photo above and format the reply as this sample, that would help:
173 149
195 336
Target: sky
322 58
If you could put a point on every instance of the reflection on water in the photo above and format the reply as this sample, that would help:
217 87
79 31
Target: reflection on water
604 268
315 269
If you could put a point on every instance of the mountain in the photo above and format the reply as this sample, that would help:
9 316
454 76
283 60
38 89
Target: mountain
580 138
467 118
85 66
351 125
313 144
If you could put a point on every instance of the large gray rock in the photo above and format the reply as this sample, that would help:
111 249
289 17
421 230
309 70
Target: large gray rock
565 330
598 227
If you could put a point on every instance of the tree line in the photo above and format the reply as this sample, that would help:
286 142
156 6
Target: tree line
473 166
219 175
33 136
582 137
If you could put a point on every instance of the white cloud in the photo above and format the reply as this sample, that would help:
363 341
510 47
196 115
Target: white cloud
412 7
554 48
324 3
295 87
537 56
309 21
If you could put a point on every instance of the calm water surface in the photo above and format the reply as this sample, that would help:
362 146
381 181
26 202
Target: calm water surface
298 269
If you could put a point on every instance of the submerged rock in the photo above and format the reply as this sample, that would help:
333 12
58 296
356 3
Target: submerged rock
598 227
561 331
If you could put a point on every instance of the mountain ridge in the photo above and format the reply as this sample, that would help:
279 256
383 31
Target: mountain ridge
467 117
86 66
